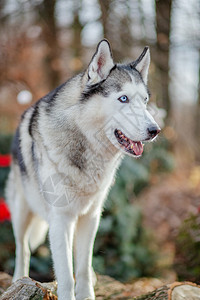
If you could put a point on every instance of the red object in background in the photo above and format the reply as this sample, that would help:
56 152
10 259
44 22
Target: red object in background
5 160
4 211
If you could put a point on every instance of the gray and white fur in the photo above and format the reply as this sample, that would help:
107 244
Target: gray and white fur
66 151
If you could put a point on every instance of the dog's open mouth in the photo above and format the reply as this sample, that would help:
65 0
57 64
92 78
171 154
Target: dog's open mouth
134 148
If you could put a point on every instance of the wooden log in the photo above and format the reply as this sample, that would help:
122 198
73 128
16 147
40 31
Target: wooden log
175 291
107 288
27 288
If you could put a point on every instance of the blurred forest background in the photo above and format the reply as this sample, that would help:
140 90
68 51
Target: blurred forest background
151 222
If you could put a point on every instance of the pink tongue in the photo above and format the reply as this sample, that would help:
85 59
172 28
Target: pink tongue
137 148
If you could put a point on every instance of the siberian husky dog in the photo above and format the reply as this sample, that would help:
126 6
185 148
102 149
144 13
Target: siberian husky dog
66 151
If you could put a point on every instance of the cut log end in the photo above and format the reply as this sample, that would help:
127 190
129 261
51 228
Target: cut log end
175 291
27 288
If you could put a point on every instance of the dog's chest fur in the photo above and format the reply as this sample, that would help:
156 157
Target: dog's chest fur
87 173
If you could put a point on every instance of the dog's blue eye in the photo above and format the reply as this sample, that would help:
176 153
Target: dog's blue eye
123 99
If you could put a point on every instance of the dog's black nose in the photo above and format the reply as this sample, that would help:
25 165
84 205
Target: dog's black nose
153 131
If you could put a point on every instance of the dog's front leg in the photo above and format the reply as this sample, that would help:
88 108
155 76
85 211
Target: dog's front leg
86 229
61 231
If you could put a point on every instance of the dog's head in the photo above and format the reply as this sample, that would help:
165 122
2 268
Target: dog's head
118 95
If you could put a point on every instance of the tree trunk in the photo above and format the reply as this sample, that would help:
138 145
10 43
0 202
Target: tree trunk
105 11
117 28
197 122
76 44
47 15
163 18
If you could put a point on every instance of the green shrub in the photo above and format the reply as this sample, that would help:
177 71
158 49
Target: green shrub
5 144
7 247
187 259
123 246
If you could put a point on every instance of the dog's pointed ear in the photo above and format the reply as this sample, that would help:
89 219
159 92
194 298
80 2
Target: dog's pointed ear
142 64
101 63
